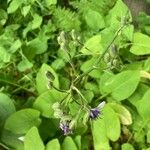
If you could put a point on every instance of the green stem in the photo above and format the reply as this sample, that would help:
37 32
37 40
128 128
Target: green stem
100 57
16 85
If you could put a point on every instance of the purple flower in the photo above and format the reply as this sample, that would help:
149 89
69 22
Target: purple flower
64 126
96 112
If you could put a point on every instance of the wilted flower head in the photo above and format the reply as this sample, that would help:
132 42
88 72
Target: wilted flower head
96 112
65 127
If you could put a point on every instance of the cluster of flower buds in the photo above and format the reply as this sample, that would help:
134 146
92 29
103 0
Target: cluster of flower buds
62 41
111 58
74 36
67 122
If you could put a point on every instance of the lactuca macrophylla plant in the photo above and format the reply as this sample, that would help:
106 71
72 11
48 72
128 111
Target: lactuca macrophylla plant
73 94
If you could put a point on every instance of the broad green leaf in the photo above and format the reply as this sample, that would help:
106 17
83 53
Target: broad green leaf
4 55
11 140
13 6
122 85
58 64
144 105
140 44
103 79
3 17
93 46
127 146
15 46
6 108
33 140
68 144
25 10
148 136
42 81
53 145
94 20
45 101
88 65
111 120
50 2
24 65
138 94
117 14
21 121
123 113
128 32
36 22
77 140
38 45
100 139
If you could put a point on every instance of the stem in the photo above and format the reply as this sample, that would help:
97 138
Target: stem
101 56
74 88
20 87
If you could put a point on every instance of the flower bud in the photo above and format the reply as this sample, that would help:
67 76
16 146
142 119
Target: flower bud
73 35
113 51
62 36
58 113
115 62
106 58
56 105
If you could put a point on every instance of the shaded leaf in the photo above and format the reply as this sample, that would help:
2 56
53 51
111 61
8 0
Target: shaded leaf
21 121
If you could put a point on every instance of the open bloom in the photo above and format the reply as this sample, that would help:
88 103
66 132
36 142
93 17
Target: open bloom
64 126
96 112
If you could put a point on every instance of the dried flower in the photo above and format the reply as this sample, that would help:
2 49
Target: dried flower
96 112
65 127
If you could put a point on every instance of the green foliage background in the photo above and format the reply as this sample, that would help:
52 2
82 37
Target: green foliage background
29 30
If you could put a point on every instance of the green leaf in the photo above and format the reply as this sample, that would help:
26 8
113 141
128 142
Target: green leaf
103 79
3 17
68 144
36 22
117 13
111 120
24 65
144 105
4 55
89 64
11 140
94 46
38 45
123 113
53 145
45 101
101 141
140 44
127 146
6 108
25 10
33 140
122 85
77 140
42 81
94 20
14 5
50 2
58 64
15 46
148 136
21 121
